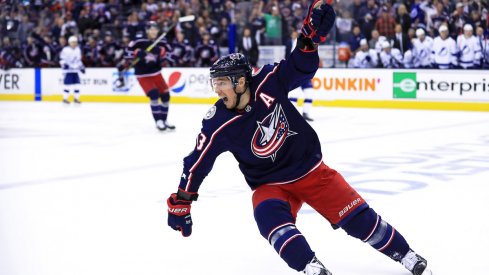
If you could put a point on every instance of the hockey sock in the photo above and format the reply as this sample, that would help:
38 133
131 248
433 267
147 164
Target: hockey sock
307 101
156 108
369 227
277 225
165 104
77 94
66 94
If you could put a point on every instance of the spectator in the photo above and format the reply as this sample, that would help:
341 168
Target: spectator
374 39
205 53
249 47
33 53
258 25
403 18
91 53
354 41
385 23
438 18
457 20
273 27
24 28
401 40
108 51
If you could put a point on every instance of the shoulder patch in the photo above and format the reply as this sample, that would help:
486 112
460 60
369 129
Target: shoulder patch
210 114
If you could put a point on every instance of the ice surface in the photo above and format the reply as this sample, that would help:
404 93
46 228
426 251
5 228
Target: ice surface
83 191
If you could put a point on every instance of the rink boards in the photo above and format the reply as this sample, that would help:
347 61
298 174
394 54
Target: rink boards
373 88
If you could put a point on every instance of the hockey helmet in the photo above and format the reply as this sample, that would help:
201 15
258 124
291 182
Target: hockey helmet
152 25
233 65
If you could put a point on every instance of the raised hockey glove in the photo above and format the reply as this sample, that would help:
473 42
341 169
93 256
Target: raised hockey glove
179 217
319 21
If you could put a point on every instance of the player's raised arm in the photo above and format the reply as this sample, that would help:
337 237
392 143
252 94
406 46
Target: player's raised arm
303 63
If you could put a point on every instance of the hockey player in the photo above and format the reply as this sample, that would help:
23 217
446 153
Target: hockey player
365 57
306 86
444 52
71 62
390 57
422 46
280 157
148 73
469 49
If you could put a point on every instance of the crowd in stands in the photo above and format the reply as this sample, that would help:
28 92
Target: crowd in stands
33 32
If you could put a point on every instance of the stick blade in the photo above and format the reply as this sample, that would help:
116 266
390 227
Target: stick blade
186 18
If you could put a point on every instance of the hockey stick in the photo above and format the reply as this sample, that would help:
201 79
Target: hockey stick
187 18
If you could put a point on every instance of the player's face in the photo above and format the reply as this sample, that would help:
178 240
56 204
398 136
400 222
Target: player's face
223 87
152 33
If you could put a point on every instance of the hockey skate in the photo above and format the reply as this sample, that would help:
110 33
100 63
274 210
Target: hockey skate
416 264
160 125
168 125
315 267
77 101
66 101
307 117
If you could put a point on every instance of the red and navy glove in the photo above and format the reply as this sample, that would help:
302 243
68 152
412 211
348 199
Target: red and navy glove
319 21
179 217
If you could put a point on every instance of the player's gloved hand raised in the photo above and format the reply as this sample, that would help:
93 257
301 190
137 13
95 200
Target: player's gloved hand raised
319 21
179 217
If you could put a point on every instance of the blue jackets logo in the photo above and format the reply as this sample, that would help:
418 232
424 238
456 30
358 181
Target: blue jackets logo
271 134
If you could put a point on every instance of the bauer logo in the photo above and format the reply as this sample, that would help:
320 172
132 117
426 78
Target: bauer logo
405 85
176 82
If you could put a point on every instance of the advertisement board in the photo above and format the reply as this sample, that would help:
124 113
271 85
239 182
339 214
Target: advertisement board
17 83
188 82
441 85
350 84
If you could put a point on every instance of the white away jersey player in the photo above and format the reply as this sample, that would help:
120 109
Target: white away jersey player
71 57
469 51
366 59
422 52
260 134
392 59
444 53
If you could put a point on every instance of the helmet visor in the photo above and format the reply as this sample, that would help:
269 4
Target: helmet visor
221 83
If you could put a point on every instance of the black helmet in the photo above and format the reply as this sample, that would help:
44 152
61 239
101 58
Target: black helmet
233 65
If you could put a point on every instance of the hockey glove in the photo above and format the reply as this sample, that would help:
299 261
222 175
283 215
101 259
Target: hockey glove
319 21
82 70
179 217
140 54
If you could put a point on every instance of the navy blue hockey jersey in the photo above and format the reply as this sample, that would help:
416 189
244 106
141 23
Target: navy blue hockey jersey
152 62
271 141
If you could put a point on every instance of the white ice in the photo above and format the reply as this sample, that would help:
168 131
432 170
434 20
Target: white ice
83 191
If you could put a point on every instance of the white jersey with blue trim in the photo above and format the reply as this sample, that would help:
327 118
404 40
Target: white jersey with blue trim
469 51
366 59
422 52
269 138
444 52
71 57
